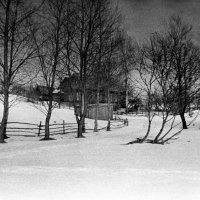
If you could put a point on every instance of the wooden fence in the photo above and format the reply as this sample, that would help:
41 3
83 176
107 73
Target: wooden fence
22 129
55 129
116 123
32 130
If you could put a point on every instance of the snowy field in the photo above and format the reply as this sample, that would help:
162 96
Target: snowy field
99 166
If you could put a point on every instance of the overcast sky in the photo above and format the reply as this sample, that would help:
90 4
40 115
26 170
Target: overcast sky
146 16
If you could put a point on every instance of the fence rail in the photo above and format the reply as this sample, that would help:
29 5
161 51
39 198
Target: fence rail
33 130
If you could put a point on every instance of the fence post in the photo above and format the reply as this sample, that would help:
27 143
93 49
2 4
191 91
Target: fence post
40 126
63 126
126 122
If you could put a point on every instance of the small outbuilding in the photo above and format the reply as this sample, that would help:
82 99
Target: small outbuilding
103 112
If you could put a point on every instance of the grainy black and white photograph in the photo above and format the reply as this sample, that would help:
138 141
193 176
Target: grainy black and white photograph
99 99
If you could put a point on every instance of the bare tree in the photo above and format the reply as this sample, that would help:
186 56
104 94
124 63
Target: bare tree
49 42
85 29
84 51
185 64
145 82
154 72
16 46
108 24
112 71
172 63
127 60
165 95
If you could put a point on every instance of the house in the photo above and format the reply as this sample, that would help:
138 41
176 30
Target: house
71 89
71 92
41 92
58 95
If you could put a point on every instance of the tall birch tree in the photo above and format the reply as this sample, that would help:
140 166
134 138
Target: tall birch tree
17 49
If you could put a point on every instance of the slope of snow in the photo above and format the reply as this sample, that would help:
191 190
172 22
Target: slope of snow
99 166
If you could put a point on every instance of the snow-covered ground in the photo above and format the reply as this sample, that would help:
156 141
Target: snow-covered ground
99 166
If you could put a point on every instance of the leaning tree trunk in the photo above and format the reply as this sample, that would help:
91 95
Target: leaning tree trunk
148 129
184 123
5 73
156 140
4 118
6 121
